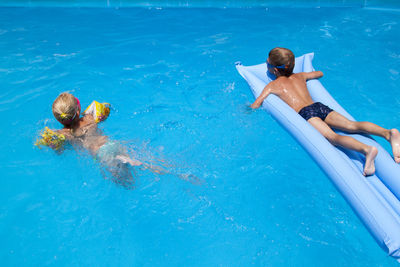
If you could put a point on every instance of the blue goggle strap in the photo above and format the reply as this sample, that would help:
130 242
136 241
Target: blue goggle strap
272 66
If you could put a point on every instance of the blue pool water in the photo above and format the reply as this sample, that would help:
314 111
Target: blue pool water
170 77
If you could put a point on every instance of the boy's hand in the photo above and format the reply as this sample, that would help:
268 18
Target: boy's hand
254 105
312 75
246 108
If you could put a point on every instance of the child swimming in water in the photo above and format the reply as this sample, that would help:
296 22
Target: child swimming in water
82 132
292 89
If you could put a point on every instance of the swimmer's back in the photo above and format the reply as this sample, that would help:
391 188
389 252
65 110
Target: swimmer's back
86 134
293 89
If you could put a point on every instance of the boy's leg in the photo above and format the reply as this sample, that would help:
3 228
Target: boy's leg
338 121
127 159
370 152
134 162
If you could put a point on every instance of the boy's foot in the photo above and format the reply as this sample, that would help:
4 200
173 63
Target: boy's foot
369 167
395 142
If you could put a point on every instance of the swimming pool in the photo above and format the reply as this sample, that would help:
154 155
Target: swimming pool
169 74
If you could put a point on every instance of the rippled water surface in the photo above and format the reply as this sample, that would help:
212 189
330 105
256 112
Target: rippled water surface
176 96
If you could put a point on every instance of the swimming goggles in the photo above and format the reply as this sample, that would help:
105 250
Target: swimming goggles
278 67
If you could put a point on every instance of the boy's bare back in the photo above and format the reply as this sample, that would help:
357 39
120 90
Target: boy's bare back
86 134
292 90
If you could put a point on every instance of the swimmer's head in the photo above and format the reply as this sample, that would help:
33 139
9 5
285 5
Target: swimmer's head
66 108
280 62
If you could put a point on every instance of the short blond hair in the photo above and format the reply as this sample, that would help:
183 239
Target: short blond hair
65 107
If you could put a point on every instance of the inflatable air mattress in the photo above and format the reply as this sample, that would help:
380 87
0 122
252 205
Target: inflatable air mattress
375 199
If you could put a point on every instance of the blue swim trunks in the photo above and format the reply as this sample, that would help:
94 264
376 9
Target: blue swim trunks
107 153
315 110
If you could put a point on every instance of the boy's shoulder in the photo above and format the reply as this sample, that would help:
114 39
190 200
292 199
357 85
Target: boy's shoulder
284 79
87 118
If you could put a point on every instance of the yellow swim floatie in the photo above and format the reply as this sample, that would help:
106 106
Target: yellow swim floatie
100 111
51 139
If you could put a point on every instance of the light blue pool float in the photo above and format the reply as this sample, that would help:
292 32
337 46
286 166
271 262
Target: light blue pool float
375 199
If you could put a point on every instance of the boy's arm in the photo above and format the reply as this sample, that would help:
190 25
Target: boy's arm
66 133
312 75
267 90
89 118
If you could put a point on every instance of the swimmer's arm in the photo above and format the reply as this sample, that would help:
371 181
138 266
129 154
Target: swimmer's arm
66 133
68 137
89 118
267 90
311 75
